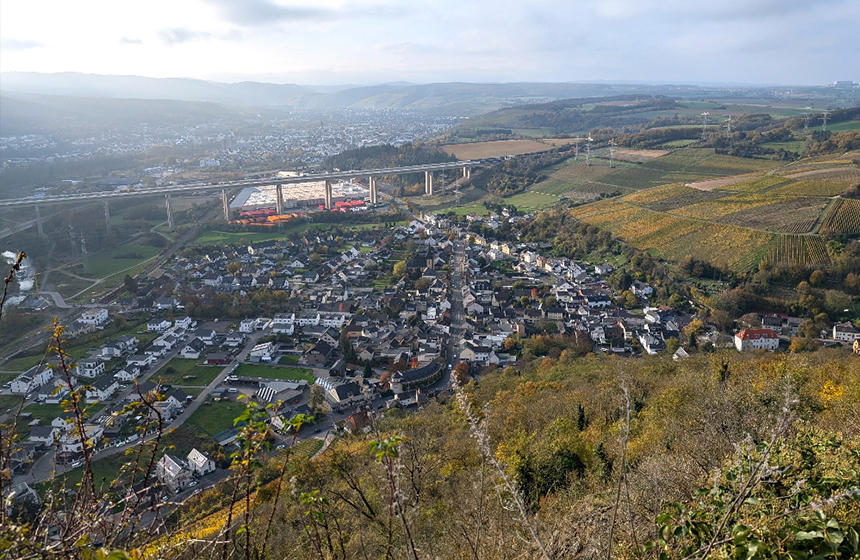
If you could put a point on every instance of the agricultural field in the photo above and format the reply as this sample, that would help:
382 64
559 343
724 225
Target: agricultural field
817 186
842 217
711 209
573 175
531 201
675 238
790 249
496 148
793 215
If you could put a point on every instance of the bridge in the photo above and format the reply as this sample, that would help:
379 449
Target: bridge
279 182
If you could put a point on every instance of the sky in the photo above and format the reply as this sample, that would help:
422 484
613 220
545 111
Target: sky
364 42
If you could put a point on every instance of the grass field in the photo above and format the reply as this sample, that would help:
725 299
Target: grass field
175 371
110 261
495 148
214 417
275 372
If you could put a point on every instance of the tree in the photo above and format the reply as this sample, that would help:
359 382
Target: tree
816 278
399 269
130 284
460 373
316 399
234 267
368 370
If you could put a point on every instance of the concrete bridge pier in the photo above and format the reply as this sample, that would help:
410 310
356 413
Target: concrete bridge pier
279 199
328 204
428 182
373 193
225 203
107 216
169 212
467 172
39 229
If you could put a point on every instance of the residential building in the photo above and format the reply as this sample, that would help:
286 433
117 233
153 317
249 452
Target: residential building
756 339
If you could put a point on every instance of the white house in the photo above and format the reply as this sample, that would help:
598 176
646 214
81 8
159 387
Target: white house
284 323
140 360
102 388
263 352
183 323
90 368
308 319
157 325
845 332
199 463
172 472
756 339
95 317
127 374
71 441
247 325
193 349
34 377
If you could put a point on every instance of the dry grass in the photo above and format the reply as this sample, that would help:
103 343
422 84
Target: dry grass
496 148
627 154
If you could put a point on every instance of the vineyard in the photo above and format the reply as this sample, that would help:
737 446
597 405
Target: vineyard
675 238
843 217
795 215
712 209
790 249
817 187
759 184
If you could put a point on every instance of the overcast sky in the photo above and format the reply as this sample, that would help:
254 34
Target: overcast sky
362 42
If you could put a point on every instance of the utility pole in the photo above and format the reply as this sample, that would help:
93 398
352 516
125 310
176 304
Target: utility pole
824 116
588 151
611 151
704 123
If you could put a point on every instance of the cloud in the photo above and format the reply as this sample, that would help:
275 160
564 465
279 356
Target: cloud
178 35
130 41
20 44
265 12
261 12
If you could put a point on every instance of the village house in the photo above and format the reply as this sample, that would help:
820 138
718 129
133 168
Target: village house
756 339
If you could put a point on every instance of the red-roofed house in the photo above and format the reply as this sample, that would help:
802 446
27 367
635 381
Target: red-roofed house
756 339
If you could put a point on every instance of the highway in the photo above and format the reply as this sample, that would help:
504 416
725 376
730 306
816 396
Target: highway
202 187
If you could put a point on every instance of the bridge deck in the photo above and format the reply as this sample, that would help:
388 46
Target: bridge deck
201 187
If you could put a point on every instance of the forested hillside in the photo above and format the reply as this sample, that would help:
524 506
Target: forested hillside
719 455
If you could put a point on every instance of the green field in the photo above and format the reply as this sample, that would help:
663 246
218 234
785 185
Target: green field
275 372
111 261
175 371
215 417
843 126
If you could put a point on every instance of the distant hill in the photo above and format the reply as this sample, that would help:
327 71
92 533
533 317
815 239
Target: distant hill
455 98
50 113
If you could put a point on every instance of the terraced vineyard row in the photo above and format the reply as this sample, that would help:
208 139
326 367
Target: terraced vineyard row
816 187
843 217
794 215
790 249
675 237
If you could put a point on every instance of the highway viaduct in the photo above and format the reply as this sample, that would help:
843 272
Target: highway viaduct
186 188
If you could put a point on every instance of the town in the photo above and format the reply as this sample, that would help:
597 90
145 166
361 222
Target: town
336 323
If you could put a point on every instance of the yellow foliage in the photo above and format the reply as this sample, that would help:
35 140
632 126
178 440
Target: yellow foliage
831 392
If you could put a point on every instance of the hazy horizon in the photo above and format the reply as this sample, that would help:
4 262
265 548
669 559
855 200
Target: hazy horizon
332 42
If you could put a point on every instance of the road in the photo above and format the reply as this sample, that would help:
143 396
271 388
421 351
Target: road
198 187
